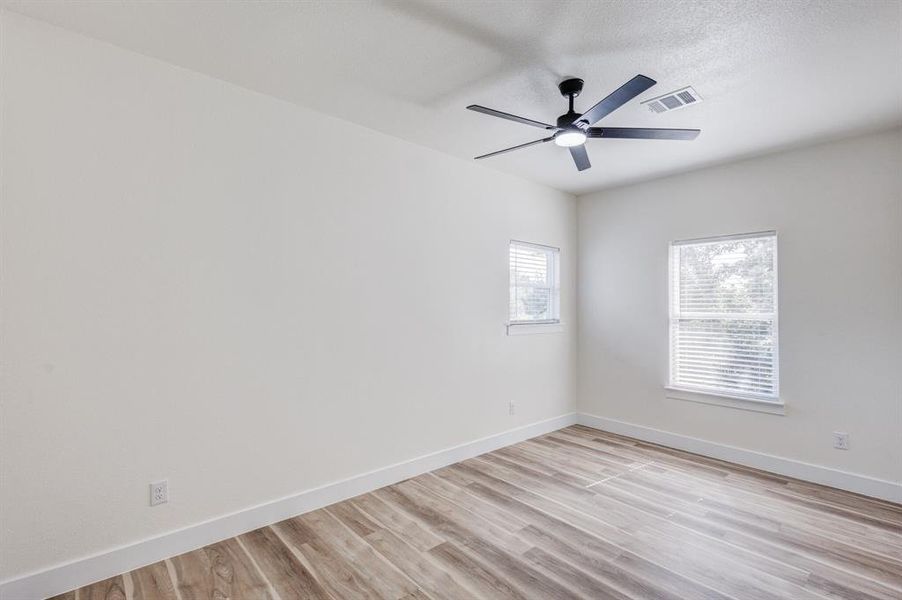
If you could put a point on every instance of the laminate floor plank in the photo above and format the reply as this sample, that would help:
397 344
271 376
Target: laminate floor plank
233 573
378 574
763 509
449 519
754 577
493 548
566 448
339 577
431 577
585 541
108 589
581 582
194 575
287 576
577 513
483 579
833 539
441 487
574 470
769 547
579 497
546 513
398 522
826 501
153 581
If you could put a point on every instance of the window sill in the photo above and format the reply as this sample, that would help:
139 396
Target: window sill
533 328
772 407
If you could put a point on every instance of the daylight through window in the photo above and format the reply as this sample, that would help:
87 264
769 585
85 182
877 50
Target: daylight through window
723 316
534 287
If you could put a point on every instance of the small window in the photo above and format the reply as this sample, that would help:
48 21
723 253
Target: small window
723 316
534 284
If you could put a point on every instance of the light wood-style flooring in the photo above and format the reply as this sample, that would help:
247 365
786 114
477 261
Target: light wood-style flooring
577 513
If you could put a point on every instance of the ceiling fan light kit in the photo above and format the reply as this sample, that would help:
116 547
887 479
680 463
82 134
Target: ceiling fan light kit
570 137
572 129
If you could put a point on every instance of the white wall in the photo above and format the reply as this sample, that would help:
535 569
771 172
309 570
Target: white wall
246 297
837 209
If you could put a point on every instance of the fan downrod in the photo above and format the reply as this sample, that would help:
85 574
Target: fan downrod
570 89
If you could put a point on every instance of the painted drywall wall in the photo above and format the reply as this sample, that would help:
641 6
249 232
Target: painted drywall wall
837 210
242 296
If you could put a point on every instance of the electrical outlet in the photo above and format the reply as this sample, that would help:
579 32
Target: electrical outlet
840 440
512 407
159 492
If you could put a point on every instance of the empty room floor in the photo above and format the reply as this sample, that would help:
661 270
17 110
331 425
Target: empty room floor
577 513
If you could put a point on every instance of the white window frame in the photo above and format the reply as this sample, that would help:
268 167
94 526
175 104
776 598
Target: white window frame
544 325
764 402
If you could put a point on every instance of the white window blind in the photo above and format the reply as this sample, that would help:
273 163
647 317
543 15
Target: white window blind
534 287
723 316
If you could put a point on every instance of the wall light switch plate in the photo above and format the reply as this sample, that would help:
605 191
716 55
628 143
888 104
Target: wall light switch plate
512 407
840 440
159 492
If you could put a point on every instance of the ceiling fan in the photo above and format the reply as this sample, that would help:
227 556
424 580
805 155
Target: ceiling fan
572 128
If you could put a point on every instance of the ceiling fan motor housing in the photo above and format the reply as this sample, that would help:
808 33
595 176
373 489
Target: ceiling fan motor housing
565 121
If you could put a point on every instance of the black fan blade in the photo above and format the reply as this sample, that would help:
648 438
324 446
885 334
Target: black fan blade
642 133
503 115
618 98
580 157
542 141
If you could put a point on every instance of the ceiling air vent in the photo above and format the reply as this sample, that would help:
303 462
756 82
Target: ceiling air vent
673 100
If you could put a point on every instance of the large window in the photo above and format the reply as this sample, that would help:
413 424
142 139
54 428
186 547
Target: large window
534 286
723 316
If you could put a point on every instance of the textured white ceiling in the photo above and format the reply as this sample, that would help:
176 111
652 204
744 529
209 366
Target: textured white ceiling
772 73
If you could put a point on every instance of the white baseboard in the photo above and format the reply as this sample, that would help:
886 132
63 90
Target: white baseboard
861 484
84 571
